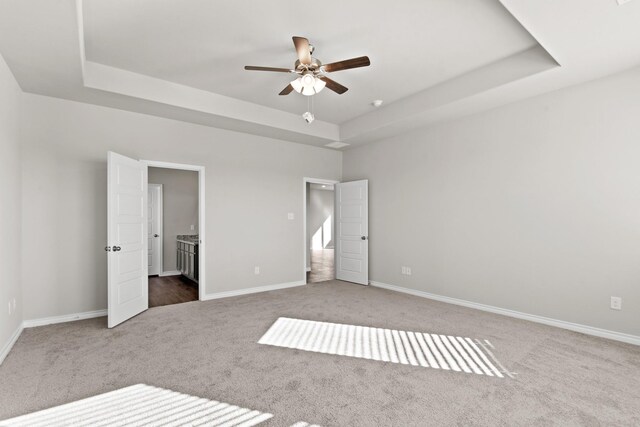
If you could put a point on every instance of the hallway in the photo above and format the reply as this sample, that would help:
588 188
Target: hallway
322 266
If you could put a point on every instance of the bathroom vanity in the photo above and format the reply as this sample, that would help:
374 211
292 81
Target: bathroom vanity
187 255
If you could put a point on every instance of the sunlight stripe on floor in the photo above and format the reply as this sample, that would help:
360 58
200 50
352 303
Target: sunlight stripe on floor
436 351
139 405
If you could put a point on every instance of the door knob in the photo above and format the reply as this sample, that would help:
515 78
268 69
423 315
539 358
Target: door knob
156 235
363 237
116 248
107 248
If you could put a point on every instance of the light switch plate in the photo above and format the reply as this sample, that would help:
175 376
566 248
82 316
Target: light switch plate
290 215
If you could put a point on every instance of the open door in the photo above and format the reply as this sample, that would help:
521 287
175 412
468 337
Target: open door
127 238
154 229
352 231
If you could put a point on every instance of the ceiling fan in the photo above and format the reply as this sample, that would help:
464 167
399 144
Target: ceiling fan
311 71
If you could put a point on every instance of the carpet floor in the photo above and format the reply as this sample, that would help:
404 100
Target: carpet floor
209 349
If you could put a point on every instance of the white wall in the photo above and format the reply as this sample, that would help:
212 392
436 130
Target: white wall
180 208
533 207
320 211
251 184
319 207
10 214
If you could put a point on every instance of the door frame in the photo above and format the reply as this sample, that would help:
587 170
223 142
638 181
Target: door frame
160 216
201 215
306 181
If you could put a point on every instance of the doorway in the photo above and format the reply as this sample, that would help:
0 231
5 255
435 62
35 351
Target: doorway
318 219
128 233
173 236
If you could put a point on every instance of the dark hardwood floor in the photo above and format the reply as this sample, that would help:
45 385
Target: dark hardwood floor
322 268
171 290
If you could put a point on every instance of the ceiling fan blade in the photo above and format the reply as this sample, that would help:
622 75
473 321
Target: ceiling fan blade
333 85
303 49
287 90
362 61
278 70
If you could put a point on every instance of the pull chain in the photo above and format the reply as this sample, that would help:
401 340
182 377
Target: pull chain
308 116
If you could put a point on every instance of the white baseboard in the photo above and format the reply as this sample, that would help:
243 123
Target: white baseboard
576 327
64 318
170 273
255 290
9 344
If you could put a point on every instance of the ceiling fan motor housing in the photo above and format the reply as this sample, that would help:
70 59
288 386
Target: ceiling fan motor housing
314 66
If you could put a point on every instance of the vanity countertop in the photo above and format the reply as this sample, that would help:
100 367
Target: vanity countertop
193 239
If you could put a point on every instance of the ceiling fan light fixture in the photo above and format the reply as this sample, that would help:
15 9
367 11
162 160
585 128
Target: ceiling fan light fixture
308 90
307 80
319 85
308 84
297 85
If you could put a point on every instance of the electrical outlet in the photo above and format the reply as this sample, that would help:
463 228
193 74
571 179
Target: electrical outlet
290 215
193 227
256 270
408 271
403 270
616 303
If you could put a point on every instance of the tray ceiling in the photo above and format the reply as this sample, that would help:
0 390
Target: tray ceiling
413 45
432 60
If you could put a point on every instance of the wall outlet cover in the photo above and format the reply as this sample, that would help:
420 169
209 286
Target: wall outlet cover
256 270
616 303
290 215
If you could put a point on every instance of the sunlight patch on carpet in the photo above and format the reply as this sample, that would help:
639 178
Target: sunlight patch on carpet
388 345
142 405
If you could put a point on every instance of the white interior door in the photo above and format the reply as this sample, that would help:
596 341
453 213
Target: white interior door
352 231
127 238
154 229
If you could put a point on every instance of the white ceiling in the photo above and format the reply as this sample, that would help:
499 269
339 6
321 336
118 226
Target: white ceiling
324 187
432 60
413 45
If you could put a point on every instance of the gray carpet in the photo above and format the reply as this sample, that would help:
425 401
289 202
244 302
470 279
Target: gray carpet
210 349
